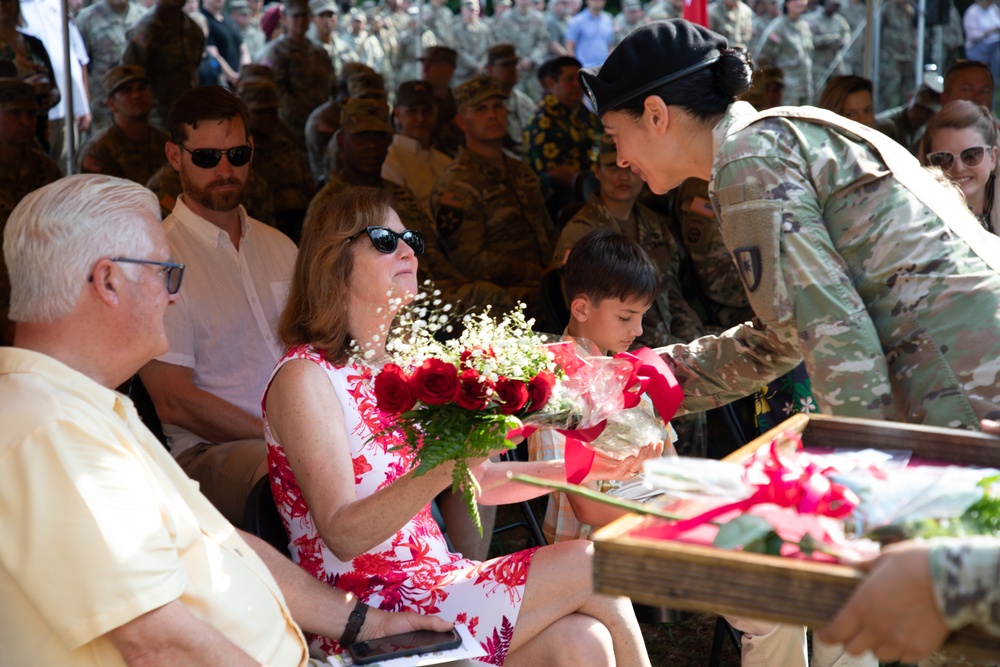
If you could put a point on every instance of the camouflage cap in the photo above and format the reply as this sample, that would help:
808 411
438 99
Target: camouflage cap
317 7
415 93
364 116
470 3
259 94
607 153
296 7
440 54
239 6
631 5
122 74
927 98
16 95
476 90
256 71
366 85
500 54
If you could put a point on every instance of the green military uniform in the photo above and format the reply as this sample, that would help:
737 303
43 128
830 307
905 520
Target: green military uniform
322 124
530 37
663 12
859 262
440 21
788 44
302 72
556 136
168 45
830 34
455 287
714 268
409 69
898 53
492 222
965 576
111 152
855 12
735 24
472 42
103 32
166 185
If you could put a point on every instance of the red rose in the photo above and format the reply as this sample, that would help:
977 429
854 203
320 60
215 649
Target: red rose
392 390
539 389
512 394
435 382
474 394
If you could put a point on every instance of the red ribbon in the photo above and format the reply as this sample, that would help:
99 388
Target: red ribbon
651 376
786 483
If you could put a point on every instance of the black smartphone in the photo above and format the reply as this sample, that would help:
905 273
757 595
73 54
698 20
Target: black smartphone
398 646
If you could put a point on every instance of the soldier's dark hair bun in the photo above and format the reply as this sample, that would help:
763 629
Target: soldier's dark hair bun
733 72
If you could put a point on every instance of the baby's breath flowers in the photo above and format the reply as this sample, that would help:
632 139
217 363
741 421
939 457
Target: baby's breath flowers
456 398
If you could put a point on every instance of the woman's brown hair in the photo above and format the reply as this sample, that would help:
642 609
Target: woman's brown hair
316 312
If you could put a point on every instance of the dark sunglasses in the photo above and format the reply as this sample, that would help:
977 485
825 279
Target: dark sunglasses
173 272
970 157
385 239
206 158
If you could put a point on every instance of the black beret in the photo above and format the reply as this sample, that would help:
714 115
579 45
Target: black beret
649 57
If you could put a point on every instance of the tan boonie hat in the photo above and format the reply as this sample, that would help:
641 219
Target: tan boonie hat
317 7
441 54
296 7
607 153
16 95
122 74
501 54
364 116
476 90
259 94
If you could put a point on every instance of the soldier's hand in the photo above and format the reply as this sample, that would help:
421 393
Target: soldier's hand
893 613
990 426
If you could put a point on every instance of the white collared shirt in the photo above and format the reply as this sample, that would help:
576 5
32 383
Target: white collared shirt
411 165
224 324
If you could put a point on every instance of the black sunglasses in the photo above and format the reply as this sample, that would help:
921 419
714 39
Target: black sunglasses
385 239
206 158
970 157
173 272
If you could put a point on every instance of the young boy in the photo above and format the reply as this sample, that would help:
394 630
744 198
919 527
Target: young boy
610 283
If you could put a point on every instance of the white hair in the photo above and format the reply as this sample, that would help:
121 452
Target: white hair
56 235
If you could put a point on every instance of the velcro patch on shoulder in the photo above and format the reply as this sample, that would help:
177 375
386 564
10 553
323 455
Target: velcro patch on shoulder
702 207
448 220
752 230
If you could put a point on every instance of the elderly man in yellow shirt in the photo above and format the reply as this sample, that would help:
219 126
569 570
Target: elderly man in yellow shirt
110 555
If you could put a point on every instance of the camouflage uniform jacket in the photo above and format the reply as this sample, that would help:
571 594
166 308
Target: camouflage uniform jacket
830 34
862 263
714 268
472 41
254 38
662 11
321 125
302 72
283 166
338 50
734 24
441 22
527 32
556 136
169 48
166 185
103 32
965 576
491 220
855 14
671 319
788 44
111 152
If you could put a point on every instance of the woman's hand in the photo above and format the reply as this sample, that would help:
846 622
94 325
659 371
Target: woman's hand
607 468
380 623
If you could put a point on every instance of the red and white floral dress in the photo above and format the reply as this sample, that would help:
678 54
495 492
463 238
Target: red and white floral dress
413 570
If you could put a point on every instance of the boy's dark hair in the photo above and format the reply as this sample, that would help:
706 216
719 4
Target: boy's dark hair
607 265
204 103
553 67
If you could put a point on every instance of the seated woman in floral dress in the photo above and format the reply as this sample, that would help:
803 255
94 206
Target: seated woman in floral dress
358 519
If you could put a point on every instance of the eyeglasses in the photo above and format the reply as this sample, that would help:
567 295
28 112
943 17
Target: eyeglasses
174 273
206 158
385 239
970 157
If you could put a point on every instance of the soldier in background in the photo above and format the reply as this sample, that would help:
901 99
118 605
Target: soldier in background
765 12
437 69
472 41
524 27
23 169
168 45
302 70
733 19
631 17
501 64
787 43
323 33
556 21
246 14
103 26
830 33
129 147
409 68
898 53
905 125
855 12
664 10
356 34
439 19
